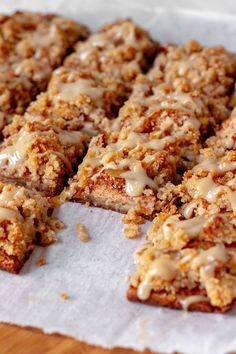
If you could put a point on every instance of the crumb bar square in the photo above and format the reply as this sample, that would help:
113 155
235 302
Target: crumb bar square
120 49
202 278
41 155
210 187
125 169
31 46
173 232
149 97
25 219
210 71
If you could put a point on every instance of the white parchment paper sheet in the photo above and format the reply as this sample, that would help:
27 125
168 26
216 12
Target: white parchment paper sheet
93 274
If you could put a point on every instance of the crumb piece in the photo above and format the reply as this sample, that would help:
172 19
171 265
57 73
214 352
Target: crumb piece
42 261
57 224
132 217
87 204
132 231
64 296
48 239
82 233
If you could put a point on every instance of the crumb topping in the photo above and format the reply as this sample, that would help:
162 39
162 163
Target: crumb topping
82 233
64 296
42 261
132 230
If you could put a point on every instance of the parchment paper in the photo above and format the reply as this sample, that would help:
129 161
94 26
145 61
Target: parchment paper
94 274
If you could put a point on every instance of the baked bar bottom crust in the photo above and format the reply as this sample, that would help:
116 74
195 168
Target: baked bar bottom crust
178 301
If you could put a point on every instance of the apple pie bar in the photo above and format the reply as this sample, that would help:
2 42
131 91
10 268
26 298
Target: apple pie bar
32 45
210 187
150 98
200 278
41 155
125 169
210 71
25 220
120 49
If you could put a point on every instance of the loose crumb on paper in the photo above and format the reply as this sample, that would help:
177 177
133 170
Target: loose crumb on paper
42 261
64 296
82 233
133 217
132 231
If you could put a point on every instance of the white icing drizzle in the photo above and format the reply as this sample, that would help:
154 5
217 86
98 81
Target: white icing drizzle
163 268
136 177
8 195
187 209
177 100
6 214
204 186
212 255
136 139
16 153
69 91
47 39
136 180
98 40
212 165
209 190
211 196
191 226
185 303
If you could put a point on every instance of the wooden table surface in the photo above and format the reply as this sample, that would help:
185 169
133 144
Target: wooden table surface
17 340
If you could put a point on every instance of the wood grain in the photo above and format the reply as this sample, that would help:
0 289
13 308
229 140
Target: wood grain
18 340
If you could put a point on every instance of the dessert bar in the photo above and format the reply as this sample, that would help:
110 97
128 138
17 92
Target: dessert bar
25 219
202 278
32 45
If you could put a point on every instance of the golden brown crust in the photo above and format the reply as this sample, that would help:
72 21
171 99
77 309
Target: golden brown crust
12 264
164 299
